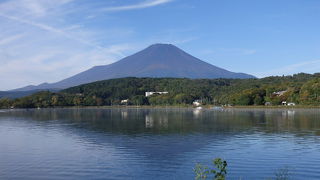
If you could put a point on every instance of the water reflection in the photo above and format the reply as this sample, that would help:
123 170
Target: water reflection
178 120
156 120
159 143
124 114
196 113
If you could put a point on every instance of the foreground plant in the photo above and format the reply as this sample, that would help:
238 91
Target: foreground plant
218 172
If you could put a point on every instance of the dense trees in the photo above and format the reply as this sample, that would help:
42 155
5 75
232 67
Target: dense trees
310 92
5 103
300 88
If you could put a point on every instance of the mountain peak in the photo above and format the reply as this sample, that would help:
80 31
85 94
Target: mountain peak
162 45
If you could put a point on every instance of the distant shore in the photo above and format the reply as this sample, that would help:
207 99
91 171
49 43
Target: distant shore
277 107
204 107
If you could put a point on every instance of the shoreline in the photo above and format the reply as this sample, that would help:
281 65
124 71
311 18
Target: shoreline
205 107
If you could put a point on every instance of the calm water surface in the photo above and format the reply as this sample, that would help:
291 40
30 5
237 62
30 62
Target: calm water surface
157 143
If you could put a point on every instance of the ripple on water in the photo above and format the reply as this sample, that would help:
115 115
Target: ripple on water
104 144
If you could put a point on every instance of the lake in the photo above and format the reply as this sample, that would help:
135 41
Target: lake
97 143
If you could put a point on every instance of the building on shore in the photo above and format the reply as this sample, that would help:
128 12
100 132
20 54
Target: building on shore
291 104
153 93
279 93
124 101
197 103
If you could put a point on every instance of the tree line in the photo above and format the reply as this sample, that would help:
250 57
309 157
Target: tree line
301 89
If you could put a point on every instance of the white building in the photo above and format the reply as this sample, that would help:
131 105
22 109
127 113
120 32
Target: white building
196 103
291 104
124 101
152 93
279 93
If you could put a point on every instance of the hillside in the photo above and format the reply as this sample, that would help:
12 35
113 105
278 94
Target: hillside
301 89
19 94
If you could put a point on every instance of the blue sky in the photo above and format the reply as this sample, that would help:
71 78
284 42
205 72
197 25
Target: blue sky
49 40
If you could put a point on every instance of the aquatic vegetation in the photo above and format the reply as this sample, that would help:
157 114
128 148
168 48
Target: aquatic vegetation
217 172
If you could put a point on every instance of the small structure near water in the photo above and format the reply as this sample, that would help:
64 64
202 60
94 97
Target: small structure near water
197 103
124 101
279 93
152 93
291 104
285 103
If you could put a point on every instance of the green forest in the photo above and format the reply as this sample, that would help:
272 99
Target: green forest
301 89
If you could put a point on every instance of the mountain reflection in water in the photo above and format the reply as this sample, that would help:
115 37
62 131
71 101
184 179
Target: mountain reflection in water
159 143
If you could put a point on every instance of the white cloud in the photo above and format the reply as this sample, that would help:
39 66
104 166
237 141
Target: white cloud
240 51
47 40
39 45
51 29
10 39
306 67
249 51
145 4
234 51
35 8
54 64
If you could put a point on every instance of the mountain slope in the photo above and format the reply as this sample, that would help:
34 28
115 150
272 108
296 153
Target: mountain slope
158 60
19 94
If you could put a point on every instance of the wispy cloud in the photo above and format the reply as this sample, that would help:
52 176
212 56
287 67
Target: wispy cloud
38 43
184 40
11 39
50 40
234 51
35 8
241 51
306 67
141 5
51 29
